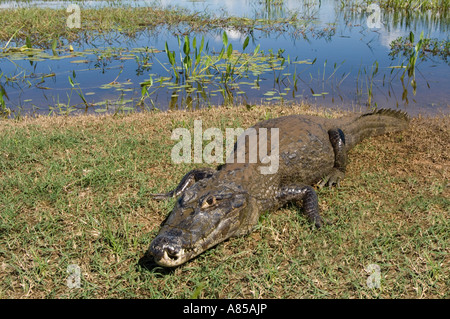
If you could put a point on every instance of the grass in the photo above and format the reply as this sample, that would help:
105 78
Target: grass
437 6
413 5
75 190
43 25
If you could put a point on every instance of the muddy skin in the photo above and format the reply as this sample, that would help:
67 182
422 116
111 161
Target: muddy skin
214 205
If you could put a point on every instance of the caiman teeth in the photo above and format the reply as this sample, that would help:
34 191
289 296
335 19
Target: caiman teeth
173 257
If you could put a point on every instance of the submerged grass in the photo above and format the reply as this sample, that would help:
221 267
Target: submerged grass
75 191
430 47
411 6
43 25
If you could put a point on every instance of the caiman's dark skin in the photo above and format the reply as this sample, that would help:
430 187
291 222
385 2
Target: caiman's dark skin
214 205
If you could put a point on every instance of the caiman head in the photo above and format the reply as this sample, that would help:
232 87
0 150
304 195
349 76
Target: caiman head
203 216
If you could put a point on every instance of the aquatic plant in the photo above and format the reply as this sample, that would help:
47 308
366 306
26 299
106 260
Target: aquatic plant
430 47
440 6
77 88
196 73
4 111
194 62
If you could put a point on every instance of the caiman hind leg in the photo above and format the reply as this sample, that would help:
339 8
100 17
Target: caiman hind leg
337 140
187 181
305 195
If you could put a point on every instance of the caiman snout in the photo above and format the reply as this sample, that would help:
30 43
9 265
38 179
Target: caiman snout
200 219
167 251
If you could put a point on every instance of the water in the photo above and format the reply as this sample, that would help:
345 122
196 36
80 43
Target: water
334 57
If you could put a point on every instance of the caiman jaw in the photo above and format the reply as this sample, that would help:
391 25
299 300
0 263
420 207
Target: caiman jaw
167 253
189 231
171 260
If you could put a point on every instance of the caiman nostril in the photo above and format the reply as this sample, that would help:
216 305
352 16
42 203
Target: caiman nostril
172 253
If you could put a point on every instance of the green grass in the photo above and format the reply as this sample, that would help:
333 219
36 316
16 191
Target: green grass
413 5
75 190
409 6
43 25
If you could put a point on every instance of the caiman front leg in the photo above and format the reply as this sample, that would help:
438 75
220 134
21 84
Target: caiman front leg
305 195
187 181
337 140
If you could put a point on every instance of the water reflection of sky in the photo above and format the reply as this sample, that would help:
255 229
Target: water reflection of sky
352 47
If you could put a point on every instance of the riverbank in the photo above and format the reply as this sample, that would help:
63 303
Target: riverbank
75 191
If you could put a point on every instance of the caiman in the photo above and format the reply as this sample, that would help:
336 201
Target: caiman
214 205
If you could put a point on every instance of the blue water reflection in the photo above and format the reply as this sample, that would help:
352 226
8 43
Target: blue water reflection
350 49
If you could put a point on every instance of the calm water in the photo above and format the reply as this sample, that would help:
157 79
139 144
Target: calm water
340 60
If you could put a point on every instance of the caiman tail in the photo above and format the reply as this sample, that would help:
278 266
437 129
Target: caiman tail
373 124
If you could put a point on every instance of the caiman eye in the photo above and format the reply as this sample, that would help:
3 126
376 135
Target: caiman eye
209 201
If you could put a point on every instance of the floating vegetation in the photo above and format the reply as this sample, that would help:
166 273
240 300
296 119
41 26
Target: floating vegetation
197 75
430 47
93 58
195 78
